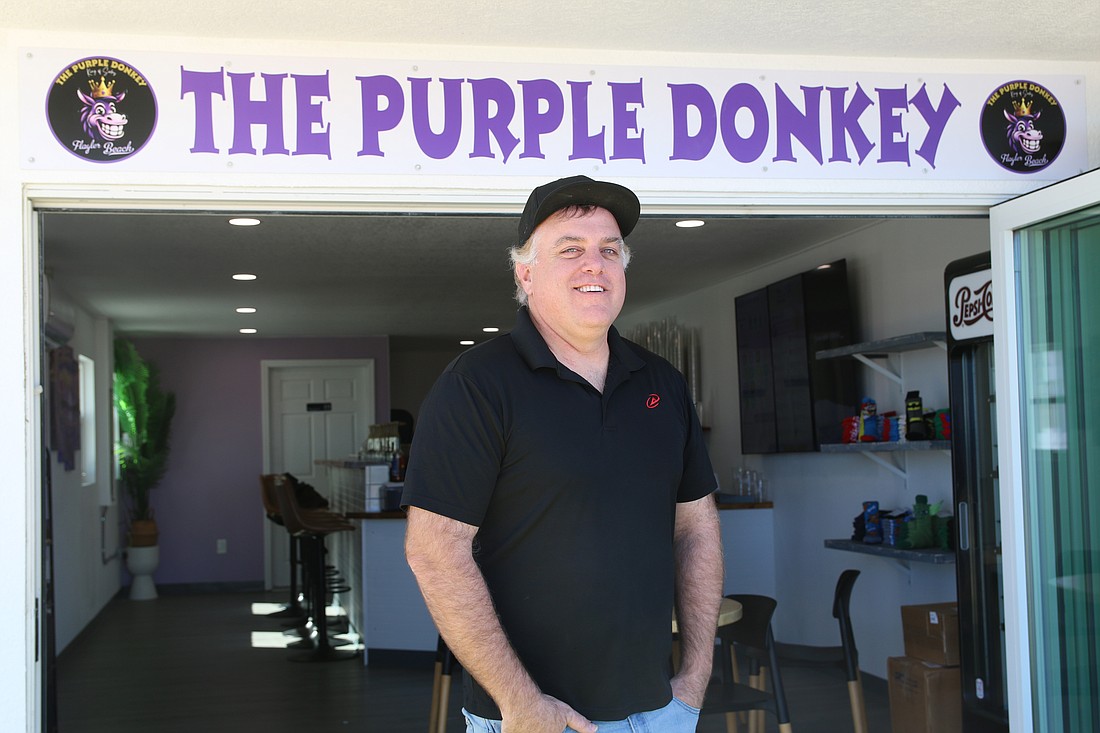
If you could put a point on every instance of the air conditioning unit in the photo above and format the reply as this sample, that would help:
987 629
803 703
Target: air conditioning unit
57 330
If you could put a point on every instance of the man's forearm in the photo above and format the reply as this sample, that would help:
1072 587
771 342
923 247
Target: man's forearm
458 600
699 576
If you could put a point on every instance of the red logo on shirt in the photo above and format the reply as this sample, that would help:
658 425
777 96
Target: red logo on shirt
652 401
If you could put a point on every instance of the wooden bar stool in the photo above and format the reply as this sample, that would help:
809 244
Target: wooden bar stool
312 526
845 655
445 666
293 609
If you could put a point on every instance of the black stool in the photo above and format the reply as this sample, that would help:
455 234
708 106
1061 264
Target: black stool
293 609
312 526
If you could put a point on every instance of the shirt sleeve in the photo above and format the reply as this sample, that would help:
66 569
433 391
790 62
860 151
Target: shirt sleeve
698 478
456 452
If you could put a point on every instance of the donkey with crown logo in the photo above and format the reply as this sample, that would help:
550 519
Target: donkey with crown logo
1023 136
99 116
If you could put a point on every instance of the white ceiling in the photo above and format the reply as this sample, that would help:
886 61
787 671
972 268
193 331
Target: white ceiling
986 29
446 276
437 278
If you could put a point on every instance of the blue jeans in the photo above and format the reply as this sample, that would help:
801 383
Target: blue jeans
676 717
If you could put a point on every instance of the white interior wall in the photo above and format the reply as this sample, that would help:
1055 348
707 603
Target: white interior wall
85 548
896 276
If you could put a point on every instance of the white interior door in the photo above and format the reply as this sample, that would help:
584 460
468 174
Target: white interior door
314 410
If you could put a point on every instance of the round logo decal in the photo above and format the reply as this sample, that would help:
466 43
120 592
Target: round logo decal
1023 126
101 109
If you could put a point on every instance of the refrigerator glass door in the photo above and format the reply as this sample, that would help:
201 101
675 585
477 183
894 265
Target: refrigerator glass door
980 568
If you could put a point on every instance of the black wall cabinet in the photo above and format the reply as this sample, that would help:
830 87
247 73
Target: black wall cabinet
790 401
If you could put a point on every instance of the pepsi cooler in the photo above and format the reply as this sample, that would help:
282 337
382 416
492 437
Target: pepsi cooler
979 570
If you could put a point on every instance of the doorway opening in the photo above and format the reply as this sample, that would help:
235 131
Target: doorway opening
166 277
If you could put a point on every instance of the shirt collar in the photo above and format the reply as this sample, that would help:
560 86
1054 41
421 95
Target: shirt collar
532 347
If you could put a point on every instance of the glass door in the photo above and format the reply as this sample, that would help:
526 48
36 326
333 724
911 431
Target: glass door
1046 258
979 548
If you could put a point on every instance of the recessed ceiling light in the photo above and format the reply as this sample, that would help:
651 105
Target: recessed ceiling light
248 330
690 223
244 221
490 329
244 276
466 343
824 267
246 310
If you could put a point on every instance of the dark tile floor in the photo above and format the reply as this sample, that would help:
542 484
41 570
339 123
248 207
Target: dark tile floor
199 664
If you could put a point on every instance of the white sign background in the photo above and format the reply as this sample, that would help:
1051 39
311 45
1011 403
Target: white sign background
637 132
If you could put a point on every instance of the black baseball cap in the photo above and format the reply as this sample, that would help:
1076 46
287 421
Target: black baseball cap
579 191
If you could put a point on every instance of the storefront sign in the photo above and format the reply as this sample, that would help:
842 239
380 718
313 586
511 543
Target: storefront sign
286 115
970 305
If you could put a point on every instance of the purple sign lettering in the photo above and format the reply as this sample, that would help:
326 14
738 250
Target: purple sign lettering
442 145
748 97
493 94
790 122
625 120
892 149
267 112
585 146
846 124
686 146
936 117
537 123
306 89
377 119
204 85
493 117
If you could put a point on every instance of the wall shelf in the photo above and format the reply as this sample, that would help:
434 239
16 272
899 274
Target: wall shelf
928 556
886 446
871 451
870 353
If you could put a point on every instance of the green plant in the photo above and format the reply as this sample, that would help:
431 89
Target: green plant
144 417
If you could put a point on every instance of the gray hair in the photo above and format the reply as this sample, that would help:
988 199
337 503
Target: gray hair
527 252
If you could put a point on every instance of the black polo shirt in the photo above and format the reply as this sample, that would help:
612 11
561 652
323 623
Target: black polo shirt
574 493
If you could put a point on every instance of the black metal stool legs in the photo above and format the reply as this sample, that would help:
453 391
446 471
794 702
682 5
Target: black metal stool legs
323 650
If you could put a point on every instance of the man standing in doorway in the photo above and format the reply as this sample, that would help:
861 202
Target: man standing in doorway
559 497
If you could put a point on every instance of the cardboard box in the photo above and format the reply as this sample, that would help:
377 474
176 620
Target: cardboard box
931 632
924 698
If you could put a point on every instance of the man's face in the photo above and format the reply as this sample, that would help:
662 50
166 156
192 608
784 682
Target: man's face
578 284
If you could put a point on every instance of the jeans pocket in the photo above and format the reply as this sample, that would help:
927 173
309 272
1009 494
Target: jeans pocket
687 708
475 724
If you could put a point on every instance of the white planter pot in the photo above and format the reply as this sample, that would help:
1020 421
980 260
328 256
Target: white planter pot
142 562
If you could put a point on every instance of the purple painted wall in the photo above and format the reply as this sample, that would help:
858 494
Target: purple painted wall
212 487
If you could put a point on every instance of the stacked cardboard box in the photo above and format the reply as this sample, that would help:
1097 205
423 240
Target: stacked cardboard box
925 686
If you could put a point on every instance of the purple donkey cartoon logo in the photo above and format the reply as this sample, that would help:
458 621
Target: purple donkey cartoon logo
1025 144
100 116
101 109
1023 136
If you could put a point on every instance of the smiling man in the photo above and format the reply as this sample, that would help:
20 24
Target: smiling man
559 497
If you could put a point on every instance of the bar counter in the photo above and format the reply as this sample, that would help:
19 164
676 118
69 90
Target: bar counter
385 606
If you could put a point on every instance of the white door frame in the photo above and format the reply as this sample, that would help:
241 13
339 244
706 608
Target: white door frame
468 195
1004 220
266 367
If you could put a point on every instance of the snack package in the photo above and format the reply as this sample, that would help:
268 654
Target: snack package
872 525
849 431
870 423
915 427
